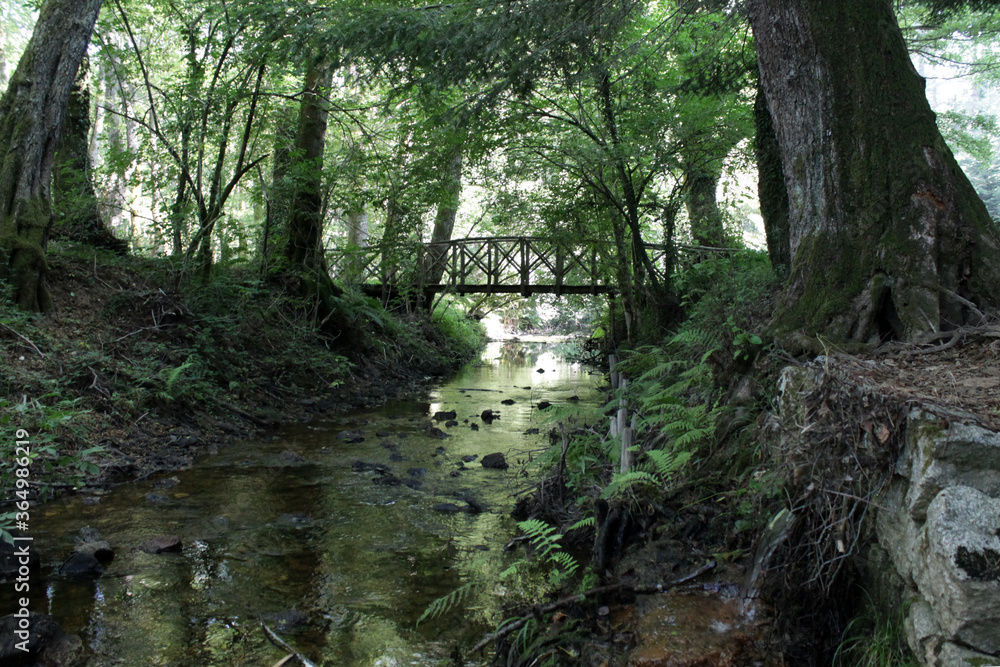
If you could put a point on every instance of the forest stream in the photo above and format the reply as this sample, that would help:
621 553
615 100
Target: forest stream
337 534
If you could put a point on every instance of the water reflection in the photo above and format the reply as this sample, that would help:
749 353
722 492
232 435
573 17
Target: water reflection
344 557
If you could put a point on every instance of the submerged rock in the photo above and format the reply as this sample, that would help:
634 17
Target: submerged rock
445 416
435 432
447 508
488 416
292 456
365 466
387 479
162 544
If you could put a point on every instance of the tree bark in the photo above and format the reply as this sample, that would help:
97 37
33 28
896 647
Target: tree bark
77 212
888 239
279 192
304 248
444 220
771 187
707 227
31 118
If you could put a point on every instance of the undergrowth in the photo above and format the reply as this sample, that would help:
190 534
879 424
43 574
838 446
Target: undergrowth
132 352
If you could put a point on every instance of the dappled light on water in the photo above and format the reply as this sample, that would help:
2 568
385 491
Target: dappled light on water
337 534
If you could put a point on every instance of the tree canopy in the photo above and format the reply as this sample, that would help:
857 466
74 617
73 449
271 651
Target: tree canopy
621 124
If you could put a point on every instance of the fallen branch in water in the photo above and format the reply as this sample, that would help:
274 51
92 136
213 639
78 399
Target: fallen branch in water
280 643
538 610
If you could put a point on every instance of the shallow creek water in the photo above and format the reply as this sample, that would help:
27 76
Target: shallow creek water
290 528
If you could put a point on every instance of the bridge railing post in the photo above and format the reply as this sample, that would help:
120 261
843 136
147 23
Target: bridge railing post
560 268
525 268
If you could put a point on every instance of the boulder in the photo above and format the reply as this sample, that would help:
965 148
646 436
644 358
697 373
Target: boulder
960 574
445 416
495 461
48 644
88 560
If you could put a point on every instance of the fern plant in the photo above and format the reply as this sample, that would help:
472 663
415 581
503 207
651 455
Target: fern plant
447 603
545 539
623 483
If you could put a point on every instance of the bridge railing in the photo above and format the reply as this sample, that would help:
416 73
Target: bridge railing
500 264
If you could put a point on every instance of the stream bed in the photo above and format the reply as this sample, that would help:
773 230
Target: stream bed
338 534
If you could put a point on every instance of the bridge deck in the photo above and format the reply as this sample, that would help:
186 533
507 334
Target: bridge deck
492 265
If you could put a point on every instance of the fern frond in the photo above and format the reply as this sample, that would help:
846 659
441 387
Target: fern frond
582 523
667 463
445 604
621 483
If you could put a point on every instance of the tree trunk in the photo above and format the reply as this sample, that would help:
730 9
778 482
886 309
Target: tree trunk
771 187
279 193
304 249
31 118
701 182
444 220
357 228
77 213
888 239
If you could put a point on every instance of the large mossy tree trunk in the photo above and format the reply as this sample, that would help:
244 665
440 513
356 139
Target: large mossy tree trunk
31 119
887 236
77 212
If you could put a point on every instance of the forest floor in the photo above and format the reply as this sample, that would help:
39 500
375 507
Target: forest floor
154 374
714 521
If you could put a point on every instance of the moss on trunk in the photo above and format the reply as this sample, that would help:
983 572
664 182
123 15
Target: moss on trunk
31 118
888 237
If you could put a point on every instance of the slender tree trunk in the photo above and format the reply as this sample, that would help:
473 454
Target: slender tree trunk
77 214
702 206
357 228
444 220
31 118
279 192
886 234
115 195
304 248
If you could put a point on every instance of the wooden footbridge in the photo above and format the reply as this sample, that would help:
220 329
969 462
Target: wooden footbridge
524 265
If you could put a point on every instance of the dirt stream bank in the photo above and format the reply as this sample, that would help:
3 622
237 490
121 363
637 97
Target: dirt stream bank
157 376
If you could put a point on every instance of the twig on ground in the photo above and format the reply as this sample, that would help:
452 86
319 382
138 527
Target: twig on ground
24 338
